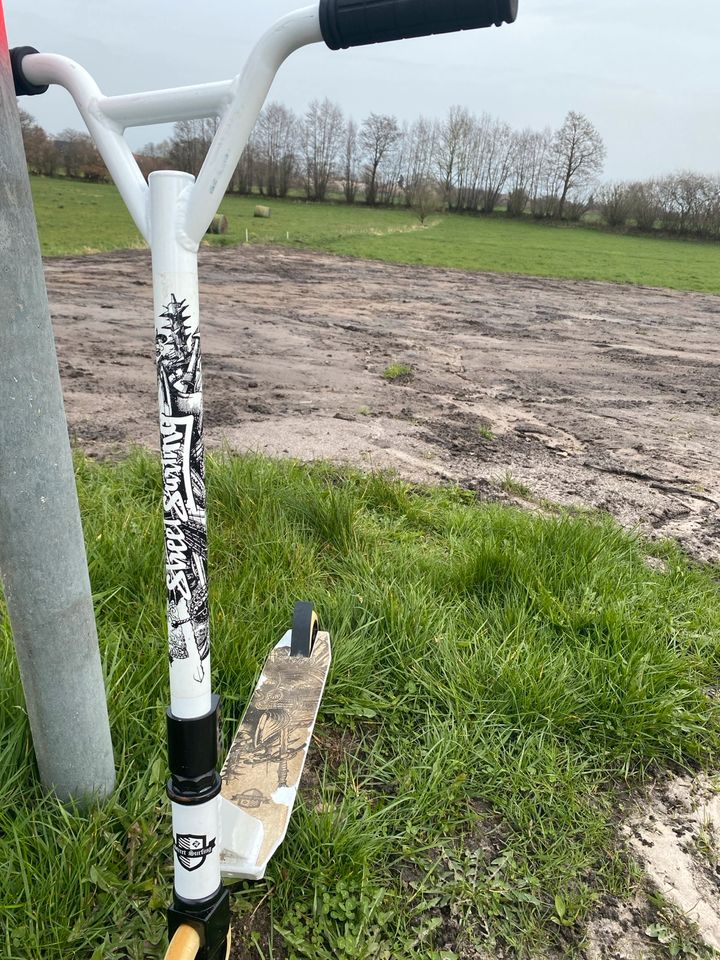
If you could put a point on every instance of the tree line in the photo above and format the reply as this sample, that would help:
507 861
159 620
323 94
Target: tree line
463 163
684 204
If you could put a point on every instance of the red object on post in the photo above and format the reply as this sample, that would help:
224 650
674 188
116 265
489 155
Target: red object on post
3 34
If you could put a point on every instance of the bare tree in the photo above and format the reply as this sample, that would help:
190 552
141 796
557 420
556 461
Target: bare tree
39 147
27 121
709 222
159 151
350 162
645 204
474 158
378 135
529 151
579 155
685 203
614 203
153 157
244 177
687 200
275 142
76 152
418 157
322 137
190 143
577 205
518 194
471 164
541 179
452 137
497 156
390 171
711 226
426 199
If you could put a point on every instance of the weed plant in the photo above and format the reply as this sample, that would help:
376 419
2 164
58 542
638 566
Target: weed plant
398 373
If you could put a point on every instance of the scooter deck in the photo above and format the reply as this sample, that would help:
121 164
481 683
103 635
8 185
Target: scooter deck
264 766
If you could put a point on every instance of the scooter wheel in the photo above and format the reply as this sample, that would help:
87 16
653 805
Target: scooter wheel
304 630
185 945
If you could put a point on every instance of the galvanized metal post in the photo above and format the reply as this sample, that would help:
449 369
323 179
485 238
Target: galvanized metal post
42 553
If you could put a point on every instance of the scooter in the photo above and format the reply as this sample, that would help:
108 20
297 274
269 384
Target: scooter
226 824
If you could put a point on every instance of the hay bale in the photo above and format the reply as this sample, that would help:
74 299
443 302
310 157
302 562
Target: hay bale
265 212
219 224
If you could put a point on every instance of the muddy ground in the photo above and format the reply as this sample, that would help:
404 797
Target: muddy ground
586 393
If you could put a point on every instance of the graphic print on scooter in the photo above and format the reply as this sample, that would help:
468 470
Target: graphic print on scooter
192 851
180 382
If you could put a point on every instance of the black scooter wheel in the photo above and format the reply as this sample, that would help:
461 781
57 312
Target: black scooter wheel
304 630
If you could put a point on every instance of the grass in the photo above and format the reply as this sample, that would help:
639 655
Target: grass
74 217
398 372
499 679
516 487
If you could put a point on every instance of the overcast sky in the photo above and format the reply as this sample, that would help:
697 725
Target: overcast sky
649 80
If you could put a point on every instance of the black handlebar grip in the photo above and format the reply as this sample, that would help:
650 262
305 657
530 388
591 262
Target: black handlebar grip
353 23
23 87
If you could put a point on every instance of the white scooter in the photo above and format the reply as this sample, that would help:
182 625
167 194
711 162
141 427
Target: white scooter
228 823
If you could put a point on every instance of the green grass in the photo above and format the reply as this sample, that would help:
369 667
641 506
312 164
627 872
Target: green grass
398 371
499 679
75 217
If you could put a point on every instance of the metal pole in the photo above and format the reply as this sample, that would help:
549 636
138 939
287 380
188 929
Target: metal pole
42 553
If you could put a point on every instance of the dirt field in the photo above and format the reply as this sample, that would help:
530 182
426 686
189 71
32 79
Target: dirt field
586 393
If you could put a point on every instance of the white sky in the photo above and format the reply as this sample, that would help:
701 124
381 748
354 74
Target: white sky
649 81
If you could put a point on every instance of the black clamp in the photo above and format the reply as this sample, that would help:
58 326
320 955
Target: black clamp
23 87
210 918
193 748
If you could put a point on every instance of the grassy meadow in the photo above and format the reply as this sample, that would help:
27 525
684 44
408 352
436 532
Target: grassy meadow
77 217
500 679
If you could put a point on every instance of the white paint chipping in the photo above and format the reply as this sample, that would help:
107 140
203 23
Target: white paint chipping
285 796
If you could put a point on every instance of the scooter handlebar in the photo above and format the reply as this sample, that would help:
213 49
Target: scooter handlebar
354 23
